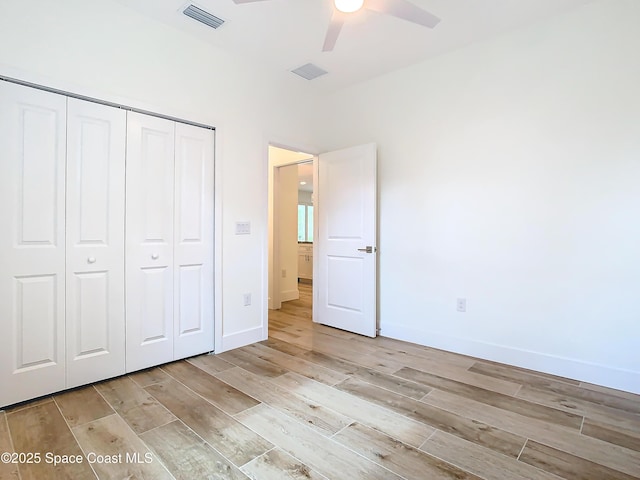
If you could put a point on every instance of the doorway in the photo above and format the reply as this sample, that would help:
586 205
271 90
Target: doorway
291 231
344 258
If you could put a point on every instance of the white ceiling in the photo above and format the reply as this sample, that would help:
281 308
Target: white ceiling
285 34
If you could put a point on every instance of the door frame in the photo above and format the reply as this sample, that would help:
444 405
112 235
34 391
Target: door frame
273 260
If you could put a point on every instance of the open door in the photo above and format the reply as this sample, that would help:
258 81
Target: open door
346 266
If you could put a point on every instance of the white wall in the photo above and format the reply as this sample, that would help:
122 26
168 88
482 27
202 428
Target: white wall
288 231
509 174
305 197
106 50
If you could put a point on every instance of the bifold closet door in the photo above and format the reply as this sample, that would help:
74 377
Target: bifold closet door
193 250
32 243
96 136
149 240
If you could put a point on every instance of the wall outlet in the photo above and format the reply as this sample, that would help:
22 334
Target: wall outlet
246 299
284 273
461 304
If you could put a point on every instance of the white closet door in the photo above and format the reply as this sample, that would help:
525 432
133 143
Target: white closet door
149 241
193 234
96 136
32 243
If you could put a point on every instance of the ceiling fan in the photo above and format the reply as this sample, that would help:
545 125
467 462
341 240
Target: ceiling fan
397 8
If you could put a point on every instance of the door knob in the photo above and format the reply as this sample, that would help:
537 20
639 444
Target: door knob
367 249
155 256
91 260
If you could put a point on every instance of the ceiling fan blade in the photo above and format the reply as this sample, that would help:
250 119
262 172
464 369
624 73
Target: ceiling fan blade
403 9
337 20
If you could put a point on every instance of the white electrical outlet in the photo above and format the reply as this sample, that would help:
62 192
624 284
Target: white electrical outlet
243 228
246 299
284 273
461 304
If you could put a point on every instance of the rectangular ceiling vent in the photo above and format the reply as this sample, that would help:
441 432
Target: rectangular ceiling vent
202 16
309 71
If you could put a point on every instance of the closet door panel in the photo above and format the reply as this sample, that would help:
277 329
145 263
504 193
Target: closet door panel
96 136
149 240
32 258
193 286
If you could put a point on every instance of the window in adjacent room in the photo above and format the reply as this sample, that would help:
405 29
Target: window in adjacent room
305 223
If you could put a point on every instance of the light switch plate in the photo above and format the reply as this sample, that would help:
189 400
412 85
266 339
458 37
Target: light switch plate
246 299
243 228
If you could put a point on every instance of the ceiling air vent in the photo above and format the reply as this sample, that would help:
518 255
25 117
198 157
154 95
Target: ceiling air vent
309 71
202 16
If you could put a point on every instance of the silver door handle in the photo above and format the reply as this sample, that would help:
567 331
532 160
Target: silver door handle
367 249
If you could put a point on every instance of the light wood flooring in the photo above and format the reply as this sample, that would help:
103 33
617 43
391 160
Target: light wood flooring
313 402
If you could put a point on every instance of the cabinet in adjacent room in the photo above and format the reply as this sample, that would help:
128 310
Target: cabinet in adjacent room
305 261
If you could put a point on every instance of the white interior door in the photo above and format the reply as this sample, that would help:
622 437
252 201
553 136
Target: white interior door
149 240
345 282
32 243
95 242
193 240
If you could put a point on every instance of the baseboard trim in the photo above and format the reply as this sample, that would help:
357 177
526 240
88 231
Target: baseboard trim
289 295
243 338
620 379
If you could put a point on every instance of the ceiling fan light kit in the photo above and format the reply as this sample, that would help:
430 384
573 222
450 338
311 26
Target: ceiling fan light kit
348 6
403 9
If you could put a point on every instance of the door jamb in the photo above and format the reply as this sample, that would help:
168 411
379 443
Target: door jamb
316 239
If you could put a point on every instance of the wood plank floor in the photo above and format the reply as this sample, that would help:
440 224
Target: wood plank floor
314 402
